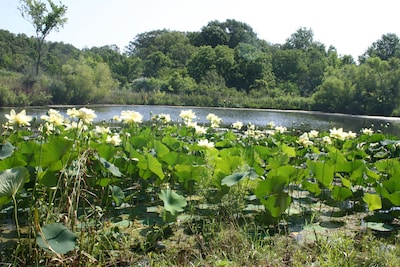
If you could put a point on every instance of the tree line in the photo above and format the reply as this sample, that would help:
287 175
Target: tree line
222 64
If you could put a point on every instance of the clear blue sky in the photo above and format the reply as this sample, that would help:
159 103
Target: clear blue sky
349 25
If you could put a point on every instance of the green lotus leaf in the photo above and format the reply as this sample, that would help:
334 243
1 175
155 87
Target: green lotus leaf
12 179
56 238
172 201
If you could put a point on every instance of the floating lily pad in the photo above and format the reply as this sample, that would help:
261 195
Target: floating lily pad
56 238
293 211
123 223
332 224
377 226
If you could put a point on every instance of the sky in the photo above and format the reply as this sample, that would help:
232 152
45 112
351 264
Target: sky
351 26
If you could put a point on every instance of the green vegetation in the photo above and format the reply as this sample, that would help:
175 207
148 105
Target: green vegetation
124 193
223 64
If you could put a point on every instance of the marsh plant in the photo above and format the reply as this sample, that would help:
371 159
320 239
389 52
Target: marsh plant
116 192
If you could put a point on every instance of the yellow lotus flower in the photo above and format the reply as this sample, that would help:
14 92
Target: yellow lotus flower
187 115
130 116
237 125
367 131
304 140
200 129
87 115
214 119
18 118
205 143
54 117
73 112
114 139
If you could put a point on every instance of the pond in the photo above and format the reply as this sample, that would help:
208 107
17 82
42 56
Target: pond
302 120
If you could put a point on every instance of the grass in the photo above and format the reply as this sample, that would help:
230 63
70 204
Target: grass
220 242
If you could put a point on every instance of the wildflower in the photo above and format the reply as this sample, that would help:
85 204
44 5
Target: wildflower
53 117
117 118
115 139
130 116
237 125
214 119
271 124
367 131
86 115
75 125
191 124
351 135
205 143
73 112
102 129
200 129
304 140
164 118
338 134
327 140
313 134
280 129
18 118
187 115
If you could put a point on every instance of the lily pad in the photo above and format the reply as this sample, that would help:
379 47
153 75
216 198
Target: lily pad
56 238
172 201
378 226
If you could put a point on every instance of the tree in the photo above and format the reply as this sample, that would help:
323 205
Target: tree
83 81
303 39
201 62
386 47
378 86
252 69
337 91
230 32
155 63
43 20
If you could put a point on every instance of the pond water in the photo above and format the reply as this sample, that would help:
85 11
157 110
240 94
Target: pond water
291 119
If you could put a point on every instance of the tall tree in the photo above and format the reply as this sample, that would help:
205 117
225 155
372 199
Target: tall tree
386 47
43 20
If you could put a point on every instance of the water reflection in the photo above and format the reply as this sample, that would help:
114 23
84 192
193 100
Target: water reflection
291 119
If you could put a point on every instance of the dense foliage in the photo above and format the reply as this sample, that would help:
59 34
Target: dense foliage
223 64
70 185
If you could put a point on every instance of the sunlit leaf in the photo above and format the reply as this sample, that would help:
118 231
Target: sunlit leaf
277 204
341 193
172 201
277 161
372 174
389 166
273 185
54 153
11 180
323 171
155 166
171 142
346 182
311 187
160 148
290 151
56 238
170 158
395 198
374 202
